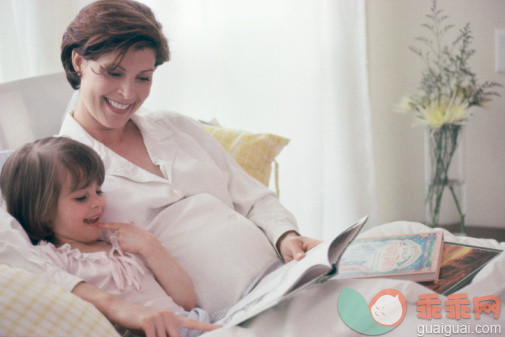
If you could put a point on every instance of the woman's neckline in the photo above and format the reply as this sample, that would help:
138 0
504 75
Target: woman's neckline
130 127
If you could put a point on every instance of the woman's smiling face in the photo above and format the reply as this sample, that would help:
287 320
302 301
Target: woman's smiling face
109 97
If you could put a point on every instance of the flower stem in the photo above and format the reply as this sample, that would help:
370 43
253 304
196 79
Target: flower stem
443 143
460 212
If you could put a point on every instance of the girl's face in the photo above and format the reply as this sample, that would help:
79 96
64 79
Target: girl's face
78 215
108 98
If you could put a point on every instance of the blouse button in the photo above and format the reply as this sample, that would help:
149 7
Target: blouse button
233 216
174 192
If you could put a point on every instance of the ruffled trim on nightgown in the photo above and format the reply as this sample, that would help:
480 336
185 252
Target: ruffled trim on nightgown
126 270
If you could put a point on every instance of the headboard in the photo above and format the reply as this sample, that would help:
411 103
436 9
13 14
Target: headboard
32 108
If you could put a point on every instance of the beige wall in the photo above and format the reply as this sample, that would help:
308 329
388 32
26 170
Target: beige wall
398 147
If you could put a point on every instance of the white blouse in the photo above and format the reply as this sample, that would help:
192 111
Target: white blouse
218 222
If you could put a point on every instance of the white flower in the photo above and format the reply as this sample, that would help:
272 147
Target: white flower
445 111
407 104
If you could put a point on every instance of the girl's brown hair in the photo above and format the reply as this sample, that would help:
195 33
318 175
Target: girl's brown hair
32 178
112 26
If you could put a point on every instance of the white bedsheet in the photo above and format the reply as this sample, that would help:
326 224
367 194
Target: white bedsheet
315 313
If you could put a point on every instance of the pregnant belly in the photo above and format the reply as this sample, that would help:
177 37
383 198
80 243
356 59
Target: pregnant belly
221 250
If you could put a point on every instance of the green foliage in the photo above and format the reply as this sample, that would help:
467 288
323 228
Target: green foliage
447 73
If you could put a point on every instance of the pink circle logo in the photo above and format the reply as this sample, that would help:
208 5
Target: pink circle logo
388 307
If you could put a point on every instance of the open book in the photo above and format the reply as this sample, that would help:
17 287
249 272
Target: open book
274 287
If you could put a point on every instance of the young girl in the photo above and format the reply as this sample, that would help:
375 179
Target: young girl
52 187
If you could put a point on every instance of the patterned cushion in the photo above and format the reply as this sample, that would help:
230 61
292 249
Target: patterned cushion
254 152
32 307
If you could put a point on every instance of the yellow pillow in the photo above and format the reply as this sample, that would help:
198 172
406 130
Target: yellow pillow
254 152
32 307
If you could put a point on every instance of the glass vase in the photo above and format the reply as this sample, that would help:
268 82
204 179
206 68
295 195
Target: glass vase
445 202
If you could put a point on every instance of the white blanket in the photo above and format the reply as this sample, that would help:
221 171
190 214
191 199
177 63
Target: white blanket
315 312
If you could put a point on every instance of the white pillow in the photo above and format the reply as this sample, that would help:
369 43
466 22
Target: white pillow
4 154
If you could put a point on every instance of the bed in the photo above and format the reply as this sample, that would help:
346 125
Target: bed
31 306
315 312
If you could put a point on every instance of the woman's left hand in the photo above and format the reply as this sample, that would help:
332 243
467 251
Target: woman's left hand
292 246
131 238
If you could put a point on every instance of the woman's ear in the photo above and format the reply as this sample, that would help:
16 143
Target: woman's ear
77 61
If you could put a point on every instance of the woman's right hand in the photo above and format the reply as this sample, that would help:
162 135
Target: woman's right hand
153 321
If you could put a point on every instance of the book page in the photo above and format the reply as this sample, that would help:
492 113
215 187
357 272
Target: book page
342 241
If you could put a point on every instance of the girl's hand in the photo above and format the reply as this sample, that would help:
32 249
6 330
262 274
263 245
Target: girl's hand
153 321
156 323
133 239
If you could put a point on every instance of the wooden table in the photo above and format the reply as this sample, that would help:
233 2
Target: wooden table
497 233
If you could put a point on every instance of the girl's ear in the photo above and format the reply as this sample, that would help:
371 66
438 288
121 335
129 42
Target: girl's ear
77 60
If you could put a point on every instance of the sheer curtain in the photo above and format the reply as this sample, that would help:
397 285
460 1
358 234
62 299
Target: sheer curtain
30 36
291 67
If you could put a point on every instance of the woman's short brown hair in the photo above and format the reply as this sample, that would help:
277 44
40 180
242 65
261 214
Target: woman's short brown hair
32 178
112 26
